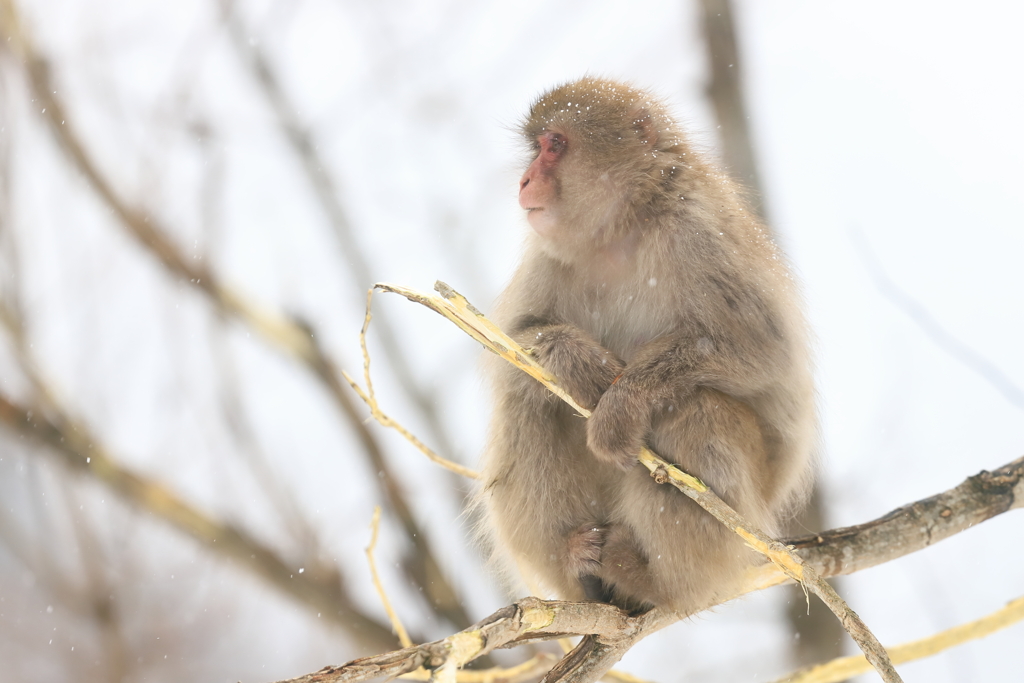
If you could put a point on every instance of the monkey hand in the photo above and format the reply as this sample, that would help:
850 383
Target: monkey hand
584 368
619 425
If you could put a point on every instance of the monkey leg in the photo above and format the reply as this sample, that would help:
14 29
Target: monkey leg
670 551
545 496
624 571
584 548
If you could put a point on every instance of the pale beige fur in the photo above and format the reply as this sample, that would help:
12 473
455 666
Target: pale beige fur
652 266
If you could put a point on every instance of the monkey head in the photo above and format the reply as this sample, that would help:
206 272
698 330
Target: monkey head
601 153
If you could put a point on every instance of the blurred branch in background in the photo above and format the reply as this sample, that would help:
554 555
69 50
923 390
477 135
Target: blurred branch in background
76 572
934 330
325 187
286 335
725 90
77 575
817 636
319 586
845 667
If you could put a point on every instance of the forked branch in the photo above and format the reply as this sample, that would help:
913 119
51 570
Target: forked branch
456 308
279 331
901 532
904 530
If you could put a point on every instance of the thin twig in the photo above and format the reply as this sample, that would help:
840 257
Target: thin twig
281 332
396 623
843 668
325 187
456 308
530 669
933 329
901 532
78 448
370 399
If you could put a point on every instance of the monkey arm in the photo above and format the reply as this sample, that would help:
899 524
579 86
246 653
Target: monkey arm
669 369
583 367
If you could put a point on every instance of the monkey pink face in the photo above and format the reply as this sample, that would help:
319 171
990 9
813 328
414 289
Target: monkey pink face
538 188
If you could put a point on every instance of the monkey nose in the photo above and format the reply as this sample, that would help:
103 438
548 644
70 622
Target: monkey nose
523 183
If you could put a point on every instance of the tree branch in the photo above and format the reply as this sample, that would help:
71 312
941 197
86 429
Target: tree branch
915 526
846 667
320 587
457 309
284 334
325 188
901 532
984 494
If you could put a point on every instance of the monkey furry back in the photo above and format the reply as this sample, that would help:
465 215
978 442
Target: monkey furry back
658 301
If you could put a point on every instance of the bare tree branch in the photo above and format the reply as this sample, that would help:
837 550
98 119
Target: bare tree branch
320 587
899 533
325 187
286 335
934 330
725 90
458 310
916 526
529 619
847 667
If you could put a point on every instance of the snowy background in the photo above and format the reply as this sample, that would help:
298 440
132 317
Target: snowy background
890 145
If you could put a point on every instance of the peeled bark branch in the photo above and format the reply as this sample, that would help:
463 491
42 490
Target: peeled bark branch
783 561
901 532
980 497
457 309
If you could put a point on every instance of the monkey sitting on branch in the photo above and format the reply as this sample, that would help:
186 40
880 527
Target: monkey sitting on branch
659 301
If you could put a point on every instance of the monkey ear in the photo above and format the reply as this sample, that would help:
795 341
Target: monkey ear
643 125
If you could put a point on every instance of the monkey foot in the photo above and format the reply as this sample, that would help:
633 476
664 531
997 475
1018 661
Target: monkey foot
584 549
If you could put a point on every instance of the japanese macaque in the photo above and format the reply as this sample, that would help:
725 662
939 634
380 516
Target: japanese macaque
657 299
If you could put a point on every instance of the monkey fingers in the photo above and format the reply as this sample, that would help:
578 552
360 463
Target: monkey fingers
583 367
619 425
